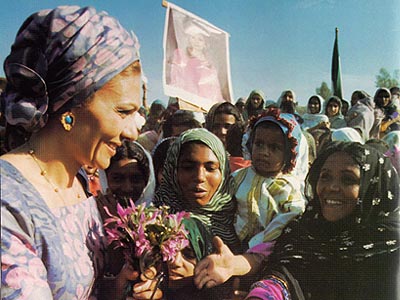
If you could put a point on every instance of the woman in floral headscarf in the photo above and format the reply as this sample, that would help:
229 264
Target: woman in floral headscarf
346 245
74 80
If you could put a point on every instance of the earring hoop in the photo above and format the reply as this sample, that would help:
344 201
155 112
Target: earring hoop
67 120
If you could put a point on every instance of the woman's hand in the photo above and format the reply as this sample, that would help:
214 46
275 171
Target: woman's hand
147 289
215 269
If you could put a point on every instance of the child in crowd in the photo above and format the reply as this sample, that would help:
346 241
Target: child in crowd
268 195
333 110
391 116
131 174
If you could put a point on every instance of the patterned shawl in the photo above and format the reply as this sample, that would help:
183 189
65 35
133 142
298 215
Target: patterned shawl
345 256
60 57
219 212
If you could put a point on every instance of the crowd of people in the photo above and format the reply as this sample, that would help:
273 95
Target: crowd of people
282 204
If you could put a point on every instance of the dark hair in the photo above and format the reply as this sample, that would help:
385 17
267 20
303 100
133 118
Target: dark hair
156 109
229 109
222 108
159 154
378 100
131 150
395 90
180 118
234 140
290 141
335 99
360 94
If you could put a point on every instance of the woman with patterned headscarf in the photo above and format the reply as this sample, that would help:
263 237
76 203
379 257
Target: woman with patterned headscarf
346 245
196 179
74 81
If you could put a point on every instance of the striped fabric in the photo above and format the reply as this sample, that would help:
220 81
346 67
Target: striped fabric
265 205
219 212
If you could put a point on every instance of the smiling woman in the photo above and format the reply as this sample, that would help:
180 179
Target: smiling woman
346 245
74 80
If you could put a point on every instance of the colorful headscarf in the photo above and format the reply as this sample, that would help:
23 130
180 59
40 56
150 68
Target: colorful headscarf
291 130
59 58
218 214
316 251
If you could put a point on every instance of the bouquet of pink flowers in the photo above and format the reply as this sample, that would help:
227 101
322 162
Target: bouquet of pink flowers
139 230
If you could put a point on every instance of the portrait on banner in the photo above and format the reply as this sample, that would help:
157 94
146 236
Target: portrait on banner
196 59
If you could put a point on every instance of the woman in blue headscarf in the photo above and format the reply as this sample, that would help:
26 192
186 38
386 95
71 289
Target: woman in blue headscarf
74 80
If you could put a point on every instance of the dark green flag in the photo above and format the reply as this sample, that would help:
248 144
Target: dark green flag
336 70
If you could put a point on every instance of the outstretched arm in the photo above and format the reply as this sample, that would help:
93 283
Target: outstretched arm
217 268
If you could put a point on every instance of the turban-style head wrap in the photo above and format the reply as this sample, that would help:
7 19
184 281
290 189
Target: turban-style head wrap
60 57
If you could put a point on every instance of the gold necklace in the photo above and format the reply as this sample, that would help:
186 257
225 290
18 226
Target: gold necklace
43 173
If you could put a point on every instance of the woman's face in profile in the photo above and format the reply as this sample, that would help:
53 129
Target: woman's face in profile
199 174
197 41
338 186
106 120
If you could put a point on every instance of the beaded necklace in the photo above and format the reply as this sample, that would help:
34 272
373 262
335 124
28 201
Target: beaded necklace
43 173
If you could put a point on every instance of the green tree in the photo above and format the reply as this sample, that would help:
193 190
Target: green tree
384 79
324 91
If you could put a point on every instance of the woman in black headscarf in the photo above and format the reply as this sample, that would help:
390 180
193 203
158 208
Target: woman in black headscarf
346 246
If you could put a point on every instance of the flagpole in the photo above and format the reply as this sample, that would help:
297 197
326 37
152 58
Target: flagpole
336 68
164 3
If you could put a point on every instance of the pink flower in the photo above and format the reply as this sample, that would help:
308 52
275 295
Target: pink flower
143 229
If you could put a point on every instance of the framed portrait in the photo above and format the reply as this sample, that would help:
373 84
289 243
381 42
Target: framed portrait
196 60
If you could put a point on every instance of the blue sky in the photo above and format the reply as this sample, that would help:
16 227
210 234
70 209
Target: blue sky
274 44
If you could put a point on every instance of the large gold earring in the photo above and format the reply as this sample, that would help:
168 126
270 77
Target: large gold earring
67 120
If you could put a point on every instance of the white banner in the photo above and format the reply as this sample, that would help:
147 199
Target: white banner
196 60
